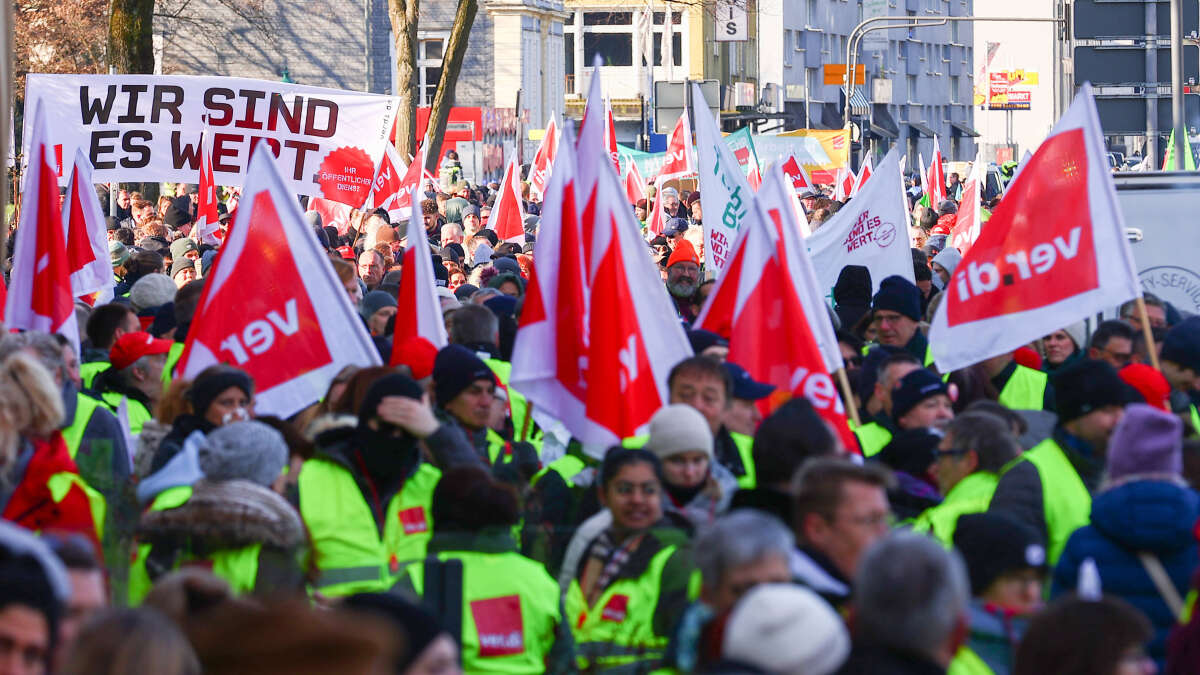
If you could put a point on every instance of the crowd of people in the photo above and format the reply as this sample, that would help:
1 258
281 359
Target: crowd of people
1032 513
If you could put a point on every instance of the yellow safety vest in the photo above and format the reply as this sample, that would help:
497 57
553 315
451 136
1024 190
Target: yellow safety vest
517 404
873 437
73 435
88 371
745 448
168 370
139 578
1025 390
348 550
967 662
137 412
1066 502
972 494
618 630
510 610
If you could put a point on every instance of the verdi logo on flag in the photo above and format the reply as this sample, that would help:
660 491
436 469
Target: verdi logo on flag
284 317
1053 252
1027 265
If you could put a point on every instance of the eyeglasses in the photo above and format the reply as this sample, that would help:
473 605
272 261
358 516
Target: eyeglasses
1119 357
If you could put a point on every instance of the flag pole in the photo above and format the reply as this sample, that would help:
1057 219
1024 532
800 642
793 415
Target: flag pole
844 383
1148 333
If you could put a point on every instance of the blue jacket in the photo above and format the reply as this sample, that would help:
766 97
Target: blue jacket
1146 515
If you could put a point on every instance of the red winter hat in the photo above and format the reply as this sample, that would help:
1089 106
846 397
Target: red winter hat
418 354
132 346
346 252
1150 383
684 252
944 224
1028 357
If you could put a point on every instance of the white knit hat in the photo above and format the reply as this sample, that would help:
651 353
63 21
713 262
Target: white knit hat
1078 333
679 428
786 629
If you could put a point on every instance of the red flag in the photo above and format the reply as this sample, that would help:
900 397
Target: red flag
550 351
635 186
272 304
937 177
419 312
968 222
864 172
539 173
208 221
797 176
332 213
632 338
680 161
87 235
750 307
40 298
843 184
388 182
508 213
1054 251
610 135
656 222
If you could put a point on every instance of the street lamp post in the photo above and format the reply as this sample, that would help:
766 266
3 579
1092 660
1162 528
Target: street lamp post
866 26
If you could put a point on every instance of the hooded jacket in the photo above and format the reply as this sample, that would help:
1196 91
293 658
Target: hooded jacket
1154 516
224 516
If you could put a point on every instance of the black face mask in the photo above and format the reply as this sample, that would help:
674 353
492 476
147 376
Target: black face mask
388 456
682 495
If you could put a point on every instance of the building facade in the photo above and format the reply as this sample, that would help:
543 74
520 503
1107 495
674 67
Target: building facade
918 81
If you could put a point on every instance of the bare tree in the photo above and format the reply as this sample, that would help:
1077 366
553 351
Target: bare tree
404 15
130 36
456 50
58 36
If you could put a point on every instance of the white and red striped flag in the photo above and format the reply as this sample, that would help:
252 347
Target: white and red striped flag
543 161
86 235
508 213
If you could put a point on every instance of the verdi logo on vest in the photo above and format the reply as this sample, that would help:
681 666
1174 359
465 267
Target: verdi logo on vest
1036 257
413 520
615 609
499 626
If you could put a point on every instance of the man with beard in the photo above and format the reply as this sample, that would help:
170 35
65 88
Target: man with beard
683 277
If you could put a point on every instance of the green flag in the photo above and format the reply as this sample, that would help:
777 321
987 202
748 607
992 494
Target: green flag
1189 163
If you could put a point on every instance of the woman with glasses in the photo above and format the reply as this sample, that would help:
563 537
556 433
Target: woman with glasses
632 584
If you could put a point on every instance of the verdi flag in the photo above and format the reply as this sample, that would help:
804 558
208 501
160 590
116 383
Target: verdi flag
418 310
86 234
284 318
725 193
1053 252
508 212
968 221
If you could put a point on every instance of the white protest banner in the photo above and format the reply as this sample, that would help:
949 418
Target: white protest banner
327 142
1053 252
871 230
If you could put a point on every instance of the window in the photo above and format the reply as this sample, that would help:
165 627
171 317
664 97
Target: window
429 64
787 47
615 49
955 86
608 18
911 80
676 49
954 31
569 52
811 13
676 18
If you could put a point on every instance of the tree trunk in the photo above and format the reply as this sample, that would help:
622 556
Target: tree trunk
452 62
130 36
404 14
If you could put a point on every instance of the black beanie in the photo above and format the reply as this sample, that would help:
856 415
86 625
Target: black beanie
1085 386
208 386
455 369
915 387
388 385
1182 344
992 544
900 295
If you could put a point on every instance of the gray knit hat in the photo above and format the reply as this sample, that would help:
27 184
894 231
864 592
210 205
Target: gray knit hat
246 450
152 290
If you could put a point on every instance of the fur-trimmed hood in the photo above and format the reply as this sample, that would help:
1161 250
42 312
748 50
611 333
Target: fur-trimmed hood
227 514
